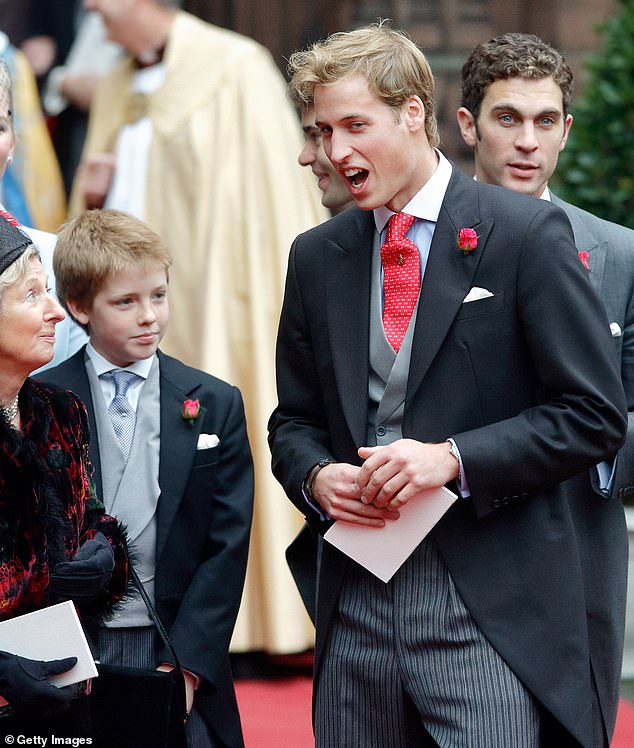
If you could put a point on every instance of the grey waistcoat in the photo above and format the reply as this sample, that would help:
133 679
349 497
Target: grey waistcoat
388 370
131 491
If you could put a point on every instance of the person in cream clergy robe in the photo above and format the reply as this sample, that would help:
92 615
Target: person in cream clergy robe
203 146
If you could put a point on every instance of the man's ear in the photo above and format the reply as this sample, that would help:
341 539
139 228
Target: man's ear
567 126
413 113
467 125
78 312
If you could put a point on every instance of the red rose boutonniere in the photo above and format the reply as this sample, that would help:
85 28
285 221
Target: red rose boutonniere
191 410
583 256
467 241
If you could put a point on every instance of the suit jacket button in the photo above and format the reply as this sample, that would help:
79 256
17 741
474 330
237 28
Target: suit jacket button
496 503
380 430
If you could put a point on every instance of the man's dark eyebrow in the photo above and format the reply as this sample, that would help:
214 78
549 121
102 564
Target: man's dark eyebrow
502 107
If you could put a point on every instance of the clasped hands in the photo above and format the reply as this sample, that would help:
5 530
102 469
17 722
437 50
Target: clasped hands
390 476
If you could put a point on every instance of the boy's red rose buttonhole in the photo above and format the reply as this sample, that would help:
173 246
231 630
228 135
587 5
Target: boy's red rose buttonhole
191 410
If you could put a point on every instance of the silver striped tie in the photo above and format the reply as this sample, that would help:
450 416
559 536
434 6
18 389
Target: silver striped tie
121 412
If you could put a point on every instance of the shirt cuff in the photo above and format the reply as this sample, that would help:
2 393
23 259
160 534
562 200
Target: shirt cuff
606 472
463 485
197 679
318 510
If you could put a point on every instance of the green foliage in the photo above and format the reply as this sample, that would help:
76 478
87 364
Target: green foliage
596 169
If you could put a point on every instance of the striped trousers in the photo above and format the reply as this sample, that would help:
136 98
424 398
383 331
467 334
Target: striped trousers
405 665
138 647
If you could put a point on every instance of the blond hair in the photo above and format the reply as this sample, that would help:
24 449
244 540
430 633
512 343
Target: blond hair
394 67
98 243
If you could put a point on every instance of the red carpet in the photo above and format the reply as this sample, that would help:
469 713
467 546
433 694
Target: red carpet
276 714
624 731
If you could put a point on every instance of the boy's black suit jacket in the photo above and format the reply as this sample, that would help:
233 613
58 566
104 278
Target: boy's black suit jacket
204 519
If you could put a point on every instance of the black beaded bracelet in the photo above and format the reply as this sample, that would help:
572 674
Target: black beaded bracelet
309 480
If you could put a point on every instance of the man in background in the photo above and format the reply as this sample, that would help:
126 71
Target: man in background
303 553
336 196
515 114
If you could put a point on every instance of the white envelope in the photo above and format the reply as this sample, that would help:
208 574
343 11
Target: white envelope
476 293
207 441
383 550
615 330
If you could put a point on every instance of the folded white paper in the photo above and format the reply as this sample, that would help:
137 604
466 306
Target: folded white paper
50 634
476 293
383 550
207 441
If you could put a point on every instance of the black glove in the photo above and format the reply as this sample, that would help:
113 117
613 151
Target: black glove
86 575
23 683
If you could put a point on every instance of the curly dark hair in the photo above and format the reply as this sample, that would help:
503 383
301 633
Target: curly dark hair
512 55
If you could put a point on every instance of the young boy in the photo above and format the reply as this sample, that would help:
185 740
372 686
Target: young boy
172 462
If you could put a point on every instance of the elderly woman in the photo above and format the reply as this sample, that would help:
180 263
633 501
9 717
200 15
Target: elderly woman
69 336
56 542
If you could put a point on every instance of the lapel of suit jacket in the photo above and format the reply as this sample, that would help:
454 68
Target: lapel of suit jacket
178 441
448 275
586 241
348 268
75 378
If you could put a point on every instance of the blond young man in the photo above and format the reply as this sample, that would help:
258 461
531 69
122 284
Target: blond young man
479 638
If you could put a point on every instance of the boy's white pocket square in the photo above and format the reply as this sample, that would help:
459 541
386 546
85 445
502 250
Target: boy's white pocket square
207 441
476 293
615 330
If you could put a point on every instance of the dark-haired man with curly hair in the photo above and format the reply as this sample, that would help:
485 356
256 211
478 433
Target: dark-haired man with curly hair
515 114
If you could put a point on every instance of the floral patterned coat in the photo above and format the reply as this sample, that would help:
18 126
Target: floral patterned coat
48 506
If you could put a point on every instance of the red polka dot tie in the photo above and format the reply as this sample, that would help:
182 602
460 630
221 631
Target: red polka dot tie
401 278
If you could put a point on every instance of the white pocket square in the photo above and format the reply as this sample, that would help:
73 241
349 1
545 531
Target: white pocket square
476 293
207 441
616 330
